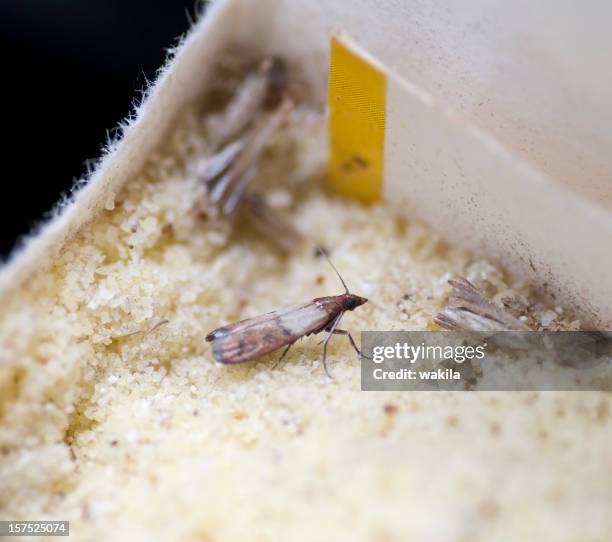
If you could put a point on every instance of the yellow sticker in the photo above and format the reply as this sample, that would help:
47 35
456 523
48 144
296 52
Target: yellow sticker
357 92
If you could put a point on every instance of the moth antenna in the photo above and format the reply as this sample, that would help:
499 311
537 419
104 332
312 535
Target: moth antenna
324 252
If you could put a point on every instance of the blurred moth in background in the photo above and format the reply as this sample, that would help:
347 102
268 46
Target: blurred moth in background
257 110
252 338
469 310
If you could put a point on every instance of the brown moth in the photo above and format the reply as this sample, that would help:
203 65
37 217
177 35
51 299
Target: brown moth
254 337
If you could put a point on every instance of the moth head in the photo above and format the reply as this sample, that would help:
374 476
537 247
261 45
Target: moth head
352 301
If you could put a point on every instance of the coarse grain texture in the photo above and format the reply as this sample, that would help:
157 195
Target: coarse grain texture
145 437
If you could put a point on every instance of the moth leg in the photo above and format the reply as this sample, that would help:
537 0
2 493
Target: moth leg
143 331
282 356
326 341
353 344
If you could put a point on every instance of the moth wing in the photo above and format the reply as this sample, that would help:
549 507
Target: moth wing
254 338
255 321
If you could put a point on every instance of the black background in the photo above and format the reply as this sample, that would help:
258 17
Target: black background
71 70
